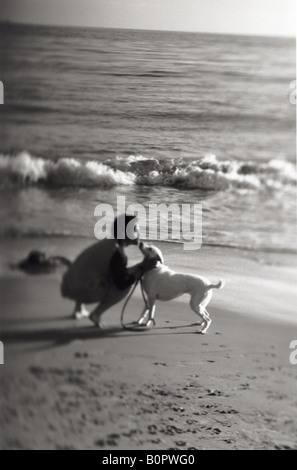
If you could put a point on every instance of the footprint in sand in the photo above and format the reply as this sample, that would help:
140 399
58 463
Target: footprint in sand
181 443
214 393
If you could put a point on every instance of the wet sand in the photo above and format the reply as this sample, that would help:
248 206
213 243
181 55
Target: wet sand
67 385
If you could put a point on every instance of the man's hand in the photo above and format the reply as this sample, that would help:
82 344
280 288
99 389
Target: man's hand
146 265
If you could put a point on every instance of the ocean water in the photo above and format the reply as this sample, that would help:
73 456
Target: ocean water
162 117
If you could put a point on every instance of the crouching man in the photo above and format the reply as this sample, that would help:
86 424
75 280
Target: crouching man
100 273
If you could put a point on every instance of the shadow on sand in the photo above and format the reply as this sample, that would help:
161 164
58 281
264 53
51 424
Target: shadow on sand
63 336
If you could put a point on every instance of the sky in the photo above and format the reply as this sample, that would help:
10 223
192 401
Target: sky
256 17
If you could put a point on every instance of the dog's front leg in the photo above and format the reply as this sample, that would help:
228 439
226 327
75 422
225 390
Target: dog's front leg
143 318
151 319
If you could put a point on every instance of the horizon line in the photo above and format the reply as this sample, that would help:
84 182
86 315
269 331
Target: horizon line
276 36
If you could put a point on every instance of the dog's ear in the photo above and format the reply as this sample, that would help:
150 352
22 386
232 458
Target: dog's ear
160 258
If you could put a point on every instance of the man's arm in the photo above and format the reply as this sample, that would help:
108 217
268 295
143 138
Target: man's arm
120 275
124 277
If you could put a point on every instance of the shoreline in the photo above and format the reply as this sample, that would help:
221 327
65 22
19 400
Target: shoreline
244 271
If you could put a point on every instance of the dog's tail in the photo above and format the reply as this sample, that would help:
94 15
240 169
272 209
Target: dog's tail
219 285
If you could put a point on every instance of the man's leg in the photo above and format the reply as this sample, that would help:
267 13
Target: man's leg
113 297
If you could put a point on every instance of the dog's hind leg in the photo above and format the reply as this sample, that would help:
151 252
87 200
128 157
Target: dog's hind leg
207 323
199 309
204 324
206 313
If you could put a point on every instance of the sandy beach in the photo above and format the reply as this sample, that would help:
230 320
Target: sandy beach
187 118
67 385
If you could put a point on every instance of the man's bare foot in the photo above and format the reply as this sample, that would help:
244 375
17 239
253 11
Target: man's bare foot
82 313
95 320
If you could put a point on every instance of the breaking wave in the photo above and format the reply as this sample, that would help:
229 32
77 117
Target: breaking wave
206 173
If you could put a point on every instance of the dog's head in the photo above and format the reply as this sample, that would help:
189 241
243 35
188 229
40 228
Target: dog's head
151 251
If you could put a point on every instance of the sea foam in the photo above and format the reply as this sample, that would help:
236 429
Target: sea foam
24 169
207 173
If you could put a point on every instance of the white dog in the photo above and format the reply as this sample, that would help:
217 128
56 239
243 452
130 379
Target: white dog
161 283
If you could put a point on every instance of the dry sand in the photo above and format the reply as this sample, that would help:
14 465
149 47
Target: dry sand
67 385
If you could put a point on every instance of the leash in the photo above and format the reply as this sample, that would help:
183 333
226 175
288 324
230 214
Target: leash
137 327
